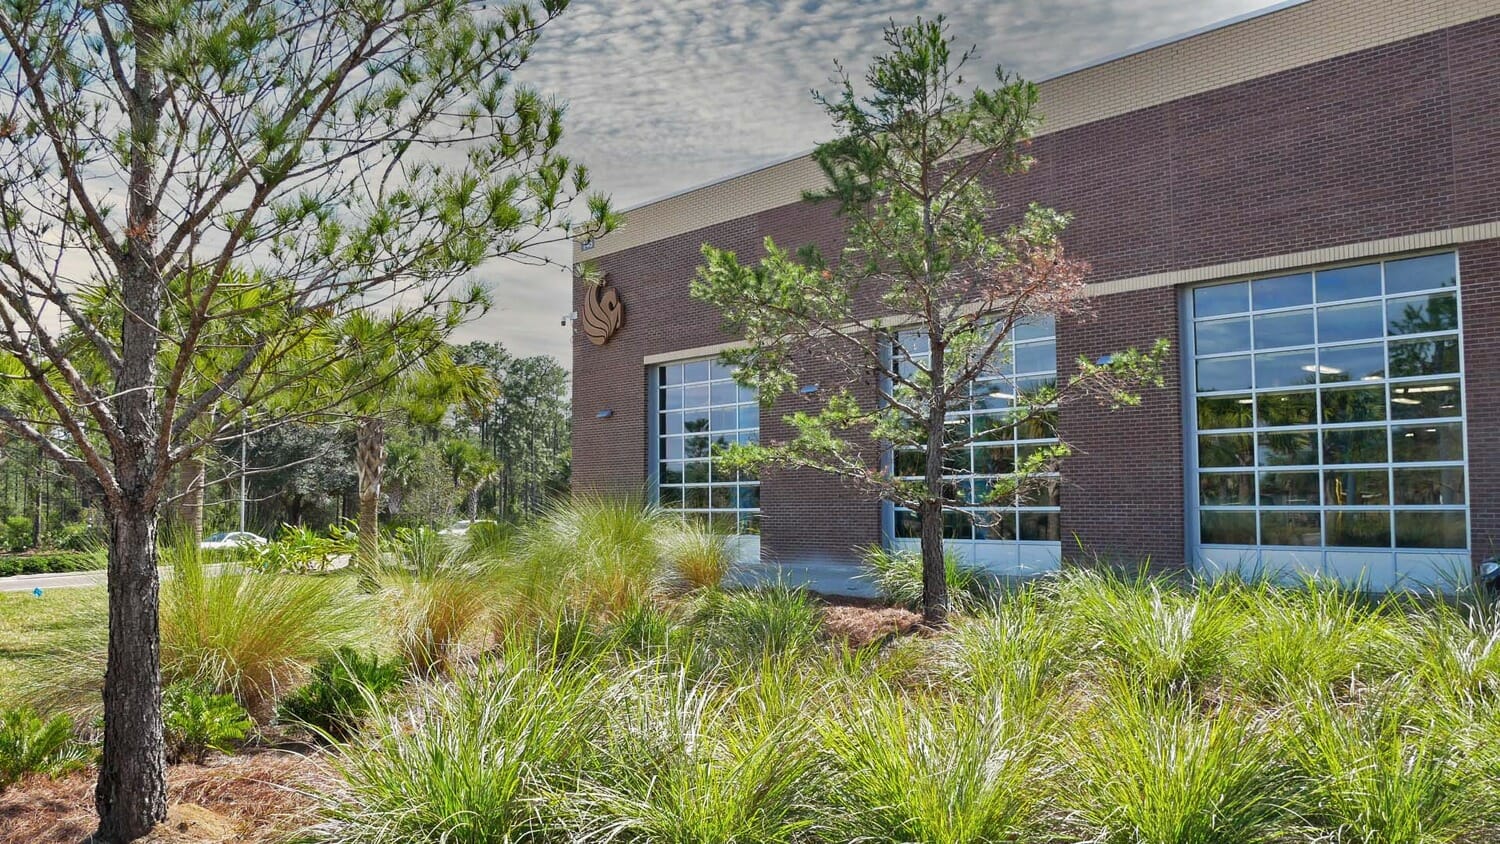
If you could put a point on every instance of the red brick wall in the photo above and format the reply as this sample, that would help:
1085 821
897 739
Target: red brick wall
1479 282
1395 140
1122 487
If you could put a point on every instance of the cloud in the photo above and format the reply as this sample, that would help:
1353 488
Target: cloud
664 96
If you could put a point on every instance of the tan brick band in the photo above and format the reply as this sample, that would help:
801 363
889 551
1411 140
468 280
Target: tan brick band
1281 39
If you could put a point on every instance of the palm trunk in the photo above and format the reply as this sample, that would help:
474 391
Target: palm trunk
369 455
131 795
190 505
473 504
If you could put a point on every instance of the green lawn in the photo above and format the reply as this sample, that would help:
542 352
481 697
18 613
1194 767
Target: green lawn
36 632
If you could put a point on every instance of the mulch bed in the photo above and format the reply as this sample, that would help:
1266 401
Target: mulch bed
863 621
258 796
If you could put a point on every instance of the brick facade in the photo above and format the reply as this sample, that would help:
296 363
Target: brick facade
1389 141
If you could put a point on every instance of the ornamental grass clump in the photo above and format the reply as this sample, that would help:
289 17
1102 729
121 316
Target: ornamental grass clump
1143 770
248 634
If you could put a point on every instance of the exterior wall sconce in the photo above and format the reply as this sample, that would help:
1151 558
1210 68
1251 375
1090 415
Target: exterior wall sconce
604 414
809 389
1105 360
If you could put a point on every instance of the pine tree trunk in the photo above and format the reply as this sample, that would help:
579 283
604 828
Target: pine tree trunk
934 572
131 795
190 504
369 455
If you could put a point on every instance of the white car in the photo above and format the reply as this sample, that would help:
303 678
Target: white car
462 528
227 540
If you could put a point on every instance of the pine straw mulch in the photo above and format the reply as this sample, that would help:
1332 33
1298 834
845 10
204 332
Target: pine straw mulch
860 622
259 796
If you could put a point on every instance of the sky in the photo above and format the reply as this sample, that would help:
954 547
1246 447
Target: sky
664 96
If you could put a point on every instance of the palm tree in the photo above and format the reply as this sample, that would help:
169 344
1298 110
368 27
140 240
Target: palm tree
472 467
419 382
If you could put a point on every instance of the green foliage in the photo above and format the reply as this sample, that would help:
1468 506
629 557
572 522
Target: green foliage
301 549
51 563
31 745
17 533
897 576
344 687
78 537
696 555
249 634
196 721
754 623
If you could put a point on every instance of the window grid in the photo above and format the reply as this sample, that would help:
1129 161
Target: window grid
1025 362
700 411
1384 453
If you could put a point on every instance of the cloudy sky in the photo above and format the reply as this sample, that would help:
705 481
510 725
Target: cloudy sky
667 95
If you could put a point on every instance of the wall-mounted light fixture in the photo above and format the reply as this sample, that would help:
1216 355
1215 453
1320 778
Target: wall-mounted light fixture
1105 360
604 414
586 245
809 389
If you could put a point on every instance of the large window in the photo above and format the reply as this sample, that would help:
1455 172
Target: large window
700 411
1329 424
1020 530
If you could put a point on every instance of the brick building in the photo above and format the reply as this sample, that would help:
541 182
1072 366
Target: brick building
1305 200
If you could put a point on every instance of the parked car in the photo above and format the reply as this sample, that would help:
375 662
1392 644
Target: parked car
462 528
226 540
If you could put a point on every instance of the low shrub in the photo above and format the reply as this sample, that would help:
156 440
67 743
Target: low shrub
195 721
897 576
18 536
436 599
695 555
77 536
30 744
302 549
339 696
750 623
52 562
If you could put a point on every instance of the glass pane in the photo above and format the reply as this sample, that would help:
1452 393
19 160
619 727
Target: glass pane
1430 486
671 398
1289 489
1422 314
910 463
1430 400
1289 449
1285 369
1424 357
908 526
718 370
1359 528
1226 450
1040 492
695 395
1356 404
671 473
671 375
749 524
1348 283
1361 321
1431 529
1291 527
1357 487
749 416
1221 299
1222 335
1232 488
671 448
1292 328
695 371
1425 273
1227 527
956 525
724 419
1284 292
695 421
695 472
695 497
750 497
1424 443
724 392
1354 445
1223 374
1035 328
1281 409
671 496
1040 527
996 526
994 460
671 423
1038 425
695 446
1225 412
722 498
1352 363
993 426
1036 357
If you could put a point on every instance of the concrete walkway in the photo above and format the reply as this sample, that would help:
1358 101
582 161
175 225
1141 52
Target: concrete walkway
63 580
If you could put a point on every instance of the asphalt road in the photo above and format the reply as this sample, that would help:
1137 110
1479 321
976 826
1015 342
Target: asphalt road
68 580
